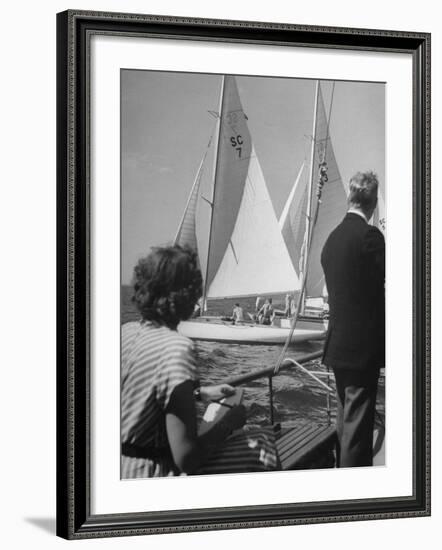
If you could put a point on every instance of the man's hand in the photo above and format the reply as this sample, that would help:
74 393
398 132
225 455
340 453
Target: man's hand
215 393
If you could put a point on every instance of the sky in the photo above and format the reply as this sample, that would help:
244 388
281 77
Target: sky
166 124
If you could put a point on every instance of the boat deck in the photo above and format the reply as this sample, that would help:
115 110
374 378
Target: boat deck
306 446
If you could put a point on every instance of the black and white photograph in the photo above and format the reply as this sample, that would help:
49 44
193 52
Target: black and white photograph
243 275
253 226
221 266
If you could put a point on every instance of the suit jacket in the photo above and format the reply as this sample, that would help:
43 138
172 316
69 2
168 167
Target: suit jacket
353 259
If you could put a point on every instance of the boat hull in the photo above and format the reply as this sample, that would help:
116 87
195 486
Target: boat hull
225 331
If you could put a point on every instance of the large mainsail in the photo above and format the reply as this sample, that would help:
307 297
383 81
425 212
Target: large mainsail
334 199
232 166
332 210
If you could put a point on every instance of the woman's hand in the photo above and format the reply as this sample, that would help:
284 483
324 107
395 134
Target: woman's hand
189 450
215 393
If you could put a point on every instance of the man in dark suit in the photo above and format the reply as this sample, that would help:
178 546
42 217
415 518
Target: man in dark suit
353 259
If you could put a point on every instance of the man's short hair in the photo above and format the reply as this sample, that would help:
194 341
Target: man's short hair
363 190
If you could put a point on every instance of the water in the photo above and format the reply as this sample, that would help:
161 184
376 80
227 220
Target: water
297 398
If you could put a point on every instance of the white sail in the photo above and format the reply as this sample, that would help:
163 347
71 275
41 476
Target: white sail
292 220
256 260
292 199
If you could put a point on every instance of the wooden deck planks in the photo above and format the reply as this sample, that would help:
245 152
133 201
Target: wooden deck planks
295 446
293 435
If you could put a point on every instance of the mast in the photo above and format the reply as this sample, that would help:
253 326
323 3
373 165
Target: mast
310 196
218 136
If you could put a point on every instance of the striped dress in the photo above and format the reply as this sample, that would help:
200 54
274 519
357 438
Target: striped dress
156 359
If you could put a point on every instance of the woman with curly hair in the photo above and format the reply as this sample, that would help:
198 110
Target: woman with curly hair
160 382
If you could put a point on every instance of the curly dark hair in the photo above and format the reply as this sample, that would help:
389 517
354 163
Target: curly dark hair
167 284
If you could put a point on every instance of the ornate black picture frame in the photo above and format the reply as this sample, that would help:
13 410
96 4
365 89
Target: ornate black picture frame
74 32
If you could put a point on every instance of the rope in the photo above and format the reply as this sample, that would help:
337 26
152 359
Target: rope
302 290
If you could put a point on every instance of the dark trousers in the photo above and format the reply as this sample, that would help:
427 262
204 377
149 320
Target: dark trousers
356 404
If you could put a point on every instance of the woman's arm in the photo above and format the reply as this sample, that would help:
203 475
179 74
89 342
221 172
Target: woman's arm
189 450
217 392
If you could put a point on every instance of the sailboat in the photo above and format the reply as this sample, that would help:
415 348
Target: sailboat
230 221
301 203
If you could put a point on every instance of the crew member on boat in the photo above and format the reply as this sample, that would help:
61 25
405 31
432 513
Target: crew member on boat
353 259
288 299
254 317
266 314
160 384
198 309
238 314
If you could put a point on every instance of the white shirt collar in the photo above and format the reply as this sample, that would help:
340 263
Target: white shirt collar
358 212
